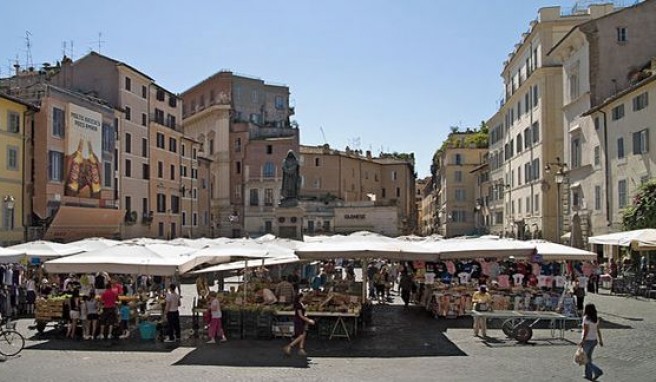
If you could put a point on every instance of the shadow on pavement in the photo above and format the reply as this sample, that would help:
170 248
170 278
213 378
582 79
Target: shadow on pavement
132 345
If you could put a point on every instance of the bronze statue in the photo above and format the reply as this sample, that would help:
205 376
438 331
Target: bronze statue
291 180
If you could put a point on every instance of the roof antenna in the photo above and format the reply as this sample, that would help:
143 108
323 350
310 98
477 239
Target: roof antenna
28 54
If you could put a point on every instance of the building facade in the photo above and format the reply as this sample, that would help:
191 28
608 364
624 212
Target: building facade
16 118
526 134
453 167
227 114
606 62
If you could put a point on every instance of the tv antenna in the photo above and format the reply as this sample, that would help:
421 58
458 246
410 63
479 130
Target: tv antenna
325 141
28 53
100 41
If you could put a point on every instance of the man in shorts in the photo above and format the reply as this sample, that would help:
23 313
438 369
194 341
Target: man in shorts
108 317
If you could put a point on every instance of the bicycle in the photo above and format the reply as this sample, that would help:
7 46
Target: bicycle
11 341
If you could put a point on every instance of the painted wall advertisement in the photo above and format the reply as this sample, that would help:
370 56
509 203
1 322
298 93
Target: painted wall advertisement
83 145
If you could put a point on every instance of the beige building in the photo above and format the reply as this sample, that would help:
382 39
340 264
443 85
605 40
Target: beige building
226 114
607 63
526 134
425 206
16 117
483 189
344 178
453 166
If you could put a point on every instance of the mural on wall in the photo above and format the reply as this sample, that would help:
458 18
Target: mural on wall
83 141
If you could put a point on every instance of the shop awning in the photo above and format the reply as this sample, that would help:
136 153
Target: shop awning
76 223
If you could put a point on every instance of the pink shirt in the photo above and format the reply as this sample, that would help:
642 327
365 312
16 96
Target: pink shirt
504 281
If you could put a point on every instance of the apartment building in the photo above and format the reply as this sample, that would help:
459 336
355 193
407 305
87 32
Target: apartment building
526 134
226 114
482 191
453 171
375 193
16 117
607 66
425 206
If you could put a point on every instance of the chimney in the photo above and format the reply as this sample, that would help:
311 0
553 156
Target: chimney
17 68
368 154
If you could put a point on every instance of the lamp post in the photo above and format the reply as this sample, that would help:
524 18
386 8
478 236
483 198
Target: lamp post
559 178
10 203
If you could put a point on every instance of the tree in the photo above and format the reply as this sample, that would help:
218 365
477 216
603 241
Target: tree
642 212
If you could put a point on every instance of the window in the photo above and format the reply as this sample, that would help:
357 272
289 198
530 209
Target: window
161 203
269 149
640 102
535 132
621 193
128 143
144 119
144 147
160 229
145 171
183 171
460 195
394 173
527 138
184 218
617 112
535 95
160 169
280 102
268 197
173 145
194 219
128 84
128 113
144 92
128 168
519 143
12 158
383 193
107 143
576 152
458 159
182 150
597 154
527 171
193 153
519 205
317 162
620 148
107 174
573 86
194 173
536 206
58 122
621 34
269 170
13 122
128 203
238 167
528 204
160 95
597 198
458 176
172 169
175 204
211 146
254 197
160 141
641 142
596 123
55 166
159 116
238 145
268 226
458 216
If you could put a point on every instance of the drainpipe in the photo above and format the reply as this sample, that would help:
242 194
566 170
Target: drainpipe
607 171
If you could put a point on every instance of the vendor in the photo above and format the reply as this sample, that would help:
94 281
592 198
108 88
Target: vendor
285 291
482 302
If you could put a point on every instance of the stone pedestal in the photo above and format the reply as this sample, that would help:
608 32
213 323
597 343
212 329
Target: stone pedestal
289 222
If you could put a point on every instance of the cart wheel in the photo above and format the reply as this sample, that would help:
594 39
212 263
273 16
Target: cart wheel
509 326
523 333
40 326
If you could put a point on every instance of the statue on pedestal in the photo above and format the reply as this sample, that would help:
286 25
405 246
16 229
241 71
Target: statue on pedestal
291 180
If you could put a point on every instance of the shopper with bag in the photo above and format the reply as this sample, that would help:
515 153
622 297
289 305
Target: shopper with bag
589 339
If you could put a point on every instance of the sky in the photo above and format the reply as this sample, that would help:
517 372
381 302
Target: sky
379 75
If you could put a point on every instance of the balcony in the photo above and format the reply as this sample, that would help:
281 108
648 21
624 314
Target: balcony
161 120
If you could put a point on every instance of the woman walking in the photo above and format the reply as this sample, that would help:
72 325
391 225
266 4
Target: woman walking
589 339
301 321
215 329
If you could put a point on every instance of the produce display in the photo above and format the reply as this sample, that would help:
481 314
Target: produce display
50 308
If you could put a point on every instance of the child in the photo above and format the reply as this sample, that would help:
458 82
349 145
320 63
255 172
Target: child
125 319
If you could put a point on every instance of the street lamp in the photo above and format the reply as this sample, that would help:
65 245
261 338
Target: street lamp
559 178
9 201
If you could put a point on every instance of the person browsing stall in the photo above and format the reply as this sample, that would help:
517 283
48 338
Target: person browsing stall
285 291
172 303
482 302
108 318
301 322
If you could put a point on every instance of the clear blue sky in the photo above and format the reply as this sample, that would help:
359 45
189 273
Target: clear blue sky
374 74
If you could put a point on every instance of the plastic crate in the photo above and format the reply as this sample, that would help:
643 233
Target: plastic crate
147 330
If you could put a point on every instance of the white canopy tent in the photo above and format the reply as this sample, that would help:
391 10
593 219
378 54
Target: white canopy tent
129 258
46 249
479 248
94 243
641 239
9 256
559 252
240 265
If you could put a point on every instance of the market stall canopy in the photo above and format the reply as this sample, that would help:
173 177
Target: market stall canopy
483 248
558 252
130 258
75 223
10 256
94 243
238 265
46 249
364 245
233 250
199 243
641 239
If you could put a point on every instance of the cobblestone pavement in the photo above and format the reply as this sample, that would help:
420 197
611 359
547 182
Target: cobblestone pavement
402 344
